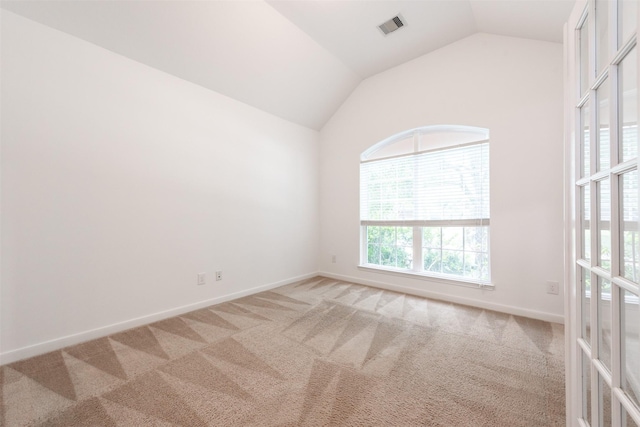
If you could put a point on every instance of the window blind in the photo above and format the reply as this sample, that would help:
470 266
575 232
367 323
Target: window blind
446 185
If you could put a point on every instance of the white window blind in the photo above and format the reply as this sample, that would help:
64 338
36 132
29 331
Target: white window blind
443 187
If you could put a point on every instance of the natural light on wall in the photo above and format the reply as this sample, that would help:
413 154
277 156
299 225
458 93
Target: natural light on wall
424 204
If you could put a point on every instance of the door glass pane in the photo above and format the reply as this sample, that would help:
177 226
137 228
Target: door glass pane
586 388
584 58
628 16
628 72
586 305
585 148
604 223
605 402
604 320
602 39
627 421
630 242
603 126
586 222
630 337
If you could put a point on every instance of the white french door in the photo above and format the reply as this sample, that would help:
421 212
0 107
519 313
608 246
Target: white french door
603 309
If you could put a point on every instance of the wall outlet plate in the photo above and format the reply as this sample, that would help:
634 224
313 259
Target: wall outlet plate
202 278
218 275
553 288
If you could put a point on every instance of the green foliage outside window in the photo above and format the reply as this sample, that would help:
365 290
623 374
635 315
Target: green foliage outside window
460 251
390 246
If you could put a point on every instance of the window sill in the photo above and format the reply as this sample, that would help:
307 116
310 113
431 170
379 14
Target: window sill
447 280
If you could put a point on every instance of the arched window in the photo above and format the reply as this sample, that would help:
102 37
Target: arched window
424 203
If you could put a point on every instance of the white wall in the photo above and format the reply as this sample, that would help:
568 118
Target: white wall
512 87
120 183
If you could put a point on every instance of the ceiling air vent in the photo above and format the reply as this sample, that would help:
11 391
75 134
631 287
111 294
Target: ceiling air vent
392 24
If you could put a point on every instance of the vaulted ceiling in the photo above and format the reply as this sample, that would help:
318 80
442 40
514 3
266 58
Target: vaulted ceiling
296 59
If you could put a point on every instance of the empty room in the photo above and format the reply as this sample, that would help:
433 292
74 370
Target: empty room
319 212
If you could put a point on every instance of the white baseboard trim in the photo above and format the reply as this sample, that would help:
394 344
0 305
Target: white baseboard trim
518 311
59 343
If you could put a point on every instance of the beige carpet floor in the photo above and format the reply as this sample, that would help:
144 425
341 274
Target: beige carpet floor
315 353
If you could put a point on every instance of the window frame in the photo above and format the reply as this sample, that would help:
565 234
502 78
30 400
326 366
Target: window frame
417 267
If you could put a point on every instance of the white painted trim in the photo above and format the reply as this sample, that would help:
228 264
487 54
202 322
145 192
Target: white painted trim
365 156
427 275
517 311
59 343
476 222
571 240
0 200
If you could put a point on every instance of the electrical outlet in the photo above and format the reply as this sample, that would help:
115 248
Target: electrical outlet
218 275
333 259
202 278
553 288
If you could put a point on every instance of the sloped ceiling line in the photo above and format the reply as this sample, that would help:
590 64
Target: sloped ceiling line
298 60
